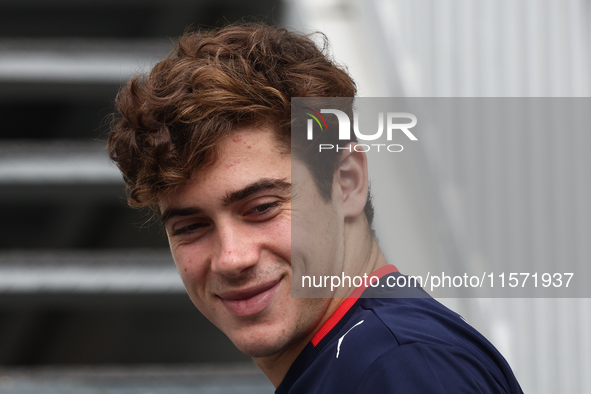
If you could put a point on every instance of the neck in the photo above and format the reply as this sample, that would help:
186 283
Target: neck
275 367
374 261
362 254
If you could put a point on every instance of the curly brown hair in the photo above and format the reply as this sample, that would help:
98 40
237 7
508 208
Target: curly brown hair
168 123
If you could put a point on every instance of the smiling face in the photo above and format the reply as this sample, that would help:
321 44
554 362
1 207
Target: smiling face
230 234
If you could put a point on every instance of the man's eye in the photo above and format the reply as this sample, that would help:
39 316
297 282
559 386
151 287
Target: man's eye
263 209
188 229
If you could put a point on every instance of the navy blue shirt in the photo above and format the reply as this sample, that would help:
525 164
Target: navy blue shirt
397 345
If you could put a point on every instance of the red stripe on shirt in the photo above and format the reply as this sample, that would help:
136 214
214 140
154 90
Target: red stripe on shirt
347 304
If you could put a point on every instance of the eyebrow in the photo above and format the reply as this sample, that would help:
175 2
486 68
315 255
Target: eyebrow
255 187
231 197
174 212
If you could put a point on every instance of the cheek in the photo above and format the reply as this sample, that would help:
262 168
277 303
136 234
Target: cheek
277 237
190 267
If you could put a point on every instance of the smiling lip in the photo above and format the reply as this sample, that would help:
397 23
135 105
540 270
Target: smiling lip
250 301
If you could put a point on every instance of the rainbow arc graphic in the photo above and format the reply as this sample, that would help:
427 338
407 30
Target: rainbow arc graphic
315 116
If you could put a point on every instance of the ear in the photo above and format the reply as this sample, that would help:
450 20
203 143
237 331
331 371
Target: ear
352 181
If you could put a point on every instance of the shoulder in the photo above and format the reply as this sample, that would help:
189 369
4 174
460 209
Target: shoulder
402 345
435 350
428 368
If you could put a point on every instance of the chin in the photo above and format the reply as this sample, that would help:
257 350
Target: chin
263 342
254 351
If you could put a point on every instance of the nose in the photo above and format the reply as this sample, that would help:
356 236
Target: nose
237 250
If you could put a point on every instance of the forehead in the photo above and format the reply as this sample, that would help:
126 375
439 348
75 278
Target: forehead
243 157
252 149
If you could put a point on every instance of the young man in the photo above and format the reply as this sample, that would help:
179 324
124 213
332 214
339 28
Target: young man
205 140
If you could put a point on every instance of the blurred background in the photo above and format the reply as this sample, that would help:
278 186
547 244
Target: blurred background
90 301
